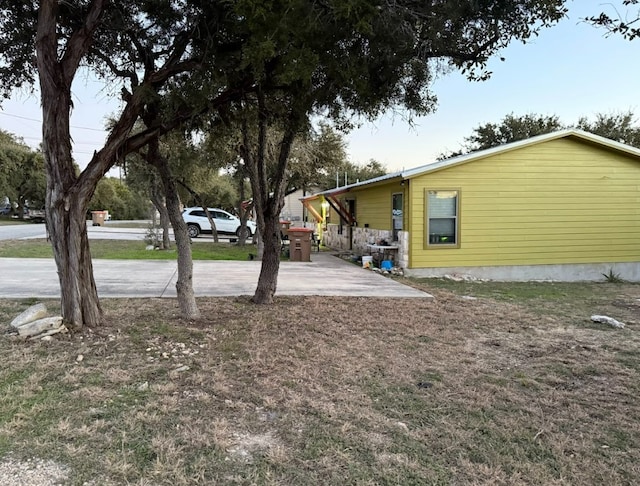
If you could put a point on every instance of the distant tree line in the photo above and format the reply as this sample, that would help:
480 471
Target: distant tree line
621 127
22 176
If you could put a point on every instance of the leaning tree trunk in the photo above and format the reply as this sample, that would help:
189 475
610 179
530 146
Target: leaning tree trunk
243 211
158 202
184 285
205 208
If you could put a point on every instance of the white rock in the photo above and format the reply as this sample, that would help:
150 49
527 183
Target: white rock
31 314
79 358
608 320
40 326
46 336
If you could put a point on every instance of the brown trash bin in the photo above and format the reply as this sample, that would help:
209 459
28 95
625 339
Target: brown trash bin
98 217
300 244
284 225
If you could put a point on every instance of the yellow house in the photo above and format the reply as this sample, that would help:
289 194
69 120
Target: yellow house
562 206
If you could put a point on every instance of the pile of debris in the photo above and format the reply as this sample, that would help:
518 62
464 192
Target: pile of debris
33 323
396 271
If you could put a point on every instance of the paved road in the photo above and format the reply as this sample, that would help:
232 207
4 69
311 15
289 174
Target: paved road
21 231
107 232
325 275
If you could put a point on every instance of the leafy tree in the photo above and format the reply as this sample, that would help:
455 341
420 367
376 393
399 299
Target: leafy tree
144 179
628 25
346 58
139 45
349 173
119 199
335 57
316 156
621 127
510 129
22 178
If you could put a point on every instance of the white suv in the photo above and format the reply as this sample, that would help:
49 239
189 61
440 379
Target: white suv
226 223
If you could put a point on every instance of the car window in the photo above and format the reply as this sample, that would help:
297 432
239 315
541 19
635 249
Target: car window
198 213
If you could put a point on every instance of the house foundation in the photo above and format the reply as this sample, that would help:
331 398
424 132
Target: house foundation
591 272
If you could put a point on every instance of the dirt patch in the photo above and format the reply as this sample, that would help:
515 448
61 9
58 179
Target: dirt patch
317 390
31 472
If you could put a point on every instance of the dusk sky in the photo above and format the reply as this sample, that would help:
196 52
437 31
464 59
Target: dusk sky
570 70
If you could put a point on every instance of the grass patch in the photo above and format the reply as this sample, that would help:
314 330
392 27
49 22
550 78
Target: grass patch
333 391
8 221
128 224
572 301
514 291
127 250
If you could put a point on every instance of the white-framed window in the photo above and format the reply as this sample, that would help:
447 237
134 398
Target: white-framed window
443 217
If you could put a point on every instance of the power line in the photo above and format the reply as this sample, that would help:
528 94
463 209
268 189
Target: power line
39 139
40 121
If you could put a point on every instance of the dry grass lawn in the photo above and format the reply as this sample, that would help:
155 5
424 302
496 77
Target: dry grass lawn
514 387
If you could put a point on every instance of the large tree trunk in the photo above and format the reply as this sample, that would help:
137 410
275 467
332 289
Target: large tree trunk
66 210
268 198
184 285
68 234
67 200
268 280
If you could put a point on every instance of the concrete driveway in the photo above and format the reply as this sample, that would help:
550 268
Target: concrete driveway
325 275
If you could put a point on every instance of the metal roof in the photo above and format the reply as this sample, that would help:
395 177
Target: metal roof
480 154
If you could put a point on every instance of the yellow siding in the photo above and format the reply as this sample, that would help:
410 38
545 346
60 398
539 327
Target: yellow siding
373 205
561 201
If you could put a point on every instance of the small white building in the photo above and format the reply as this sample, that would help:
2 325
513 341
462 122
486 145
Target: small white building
293 210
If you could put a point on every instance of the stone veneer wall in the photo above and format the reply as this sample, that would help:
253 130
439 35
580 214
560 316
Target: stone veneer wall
403 251
332 239
364 236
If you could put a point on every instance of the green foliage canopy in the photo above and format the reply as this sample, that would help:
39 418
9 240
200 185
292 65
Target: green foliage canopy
120 200
22 177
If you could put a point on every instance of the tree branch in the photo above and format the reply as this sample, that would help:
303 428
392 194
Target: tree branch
80 40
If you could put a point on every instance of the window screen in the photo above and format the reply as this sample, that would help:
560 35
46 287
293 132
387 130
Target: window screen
442 224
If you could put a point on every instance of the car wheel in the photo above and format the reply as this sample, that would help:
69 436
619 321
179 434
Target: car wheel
247 229
193 230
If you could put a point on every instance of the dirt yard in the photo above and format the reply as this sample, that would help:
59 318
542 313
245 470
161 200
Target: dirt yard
485 384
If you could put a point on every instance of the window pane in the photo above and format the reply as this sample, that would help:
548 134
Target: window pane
442 204
442 226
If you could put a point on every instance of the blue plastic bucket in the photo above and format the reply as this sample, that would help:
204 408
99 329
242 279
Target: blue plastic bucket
386 265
